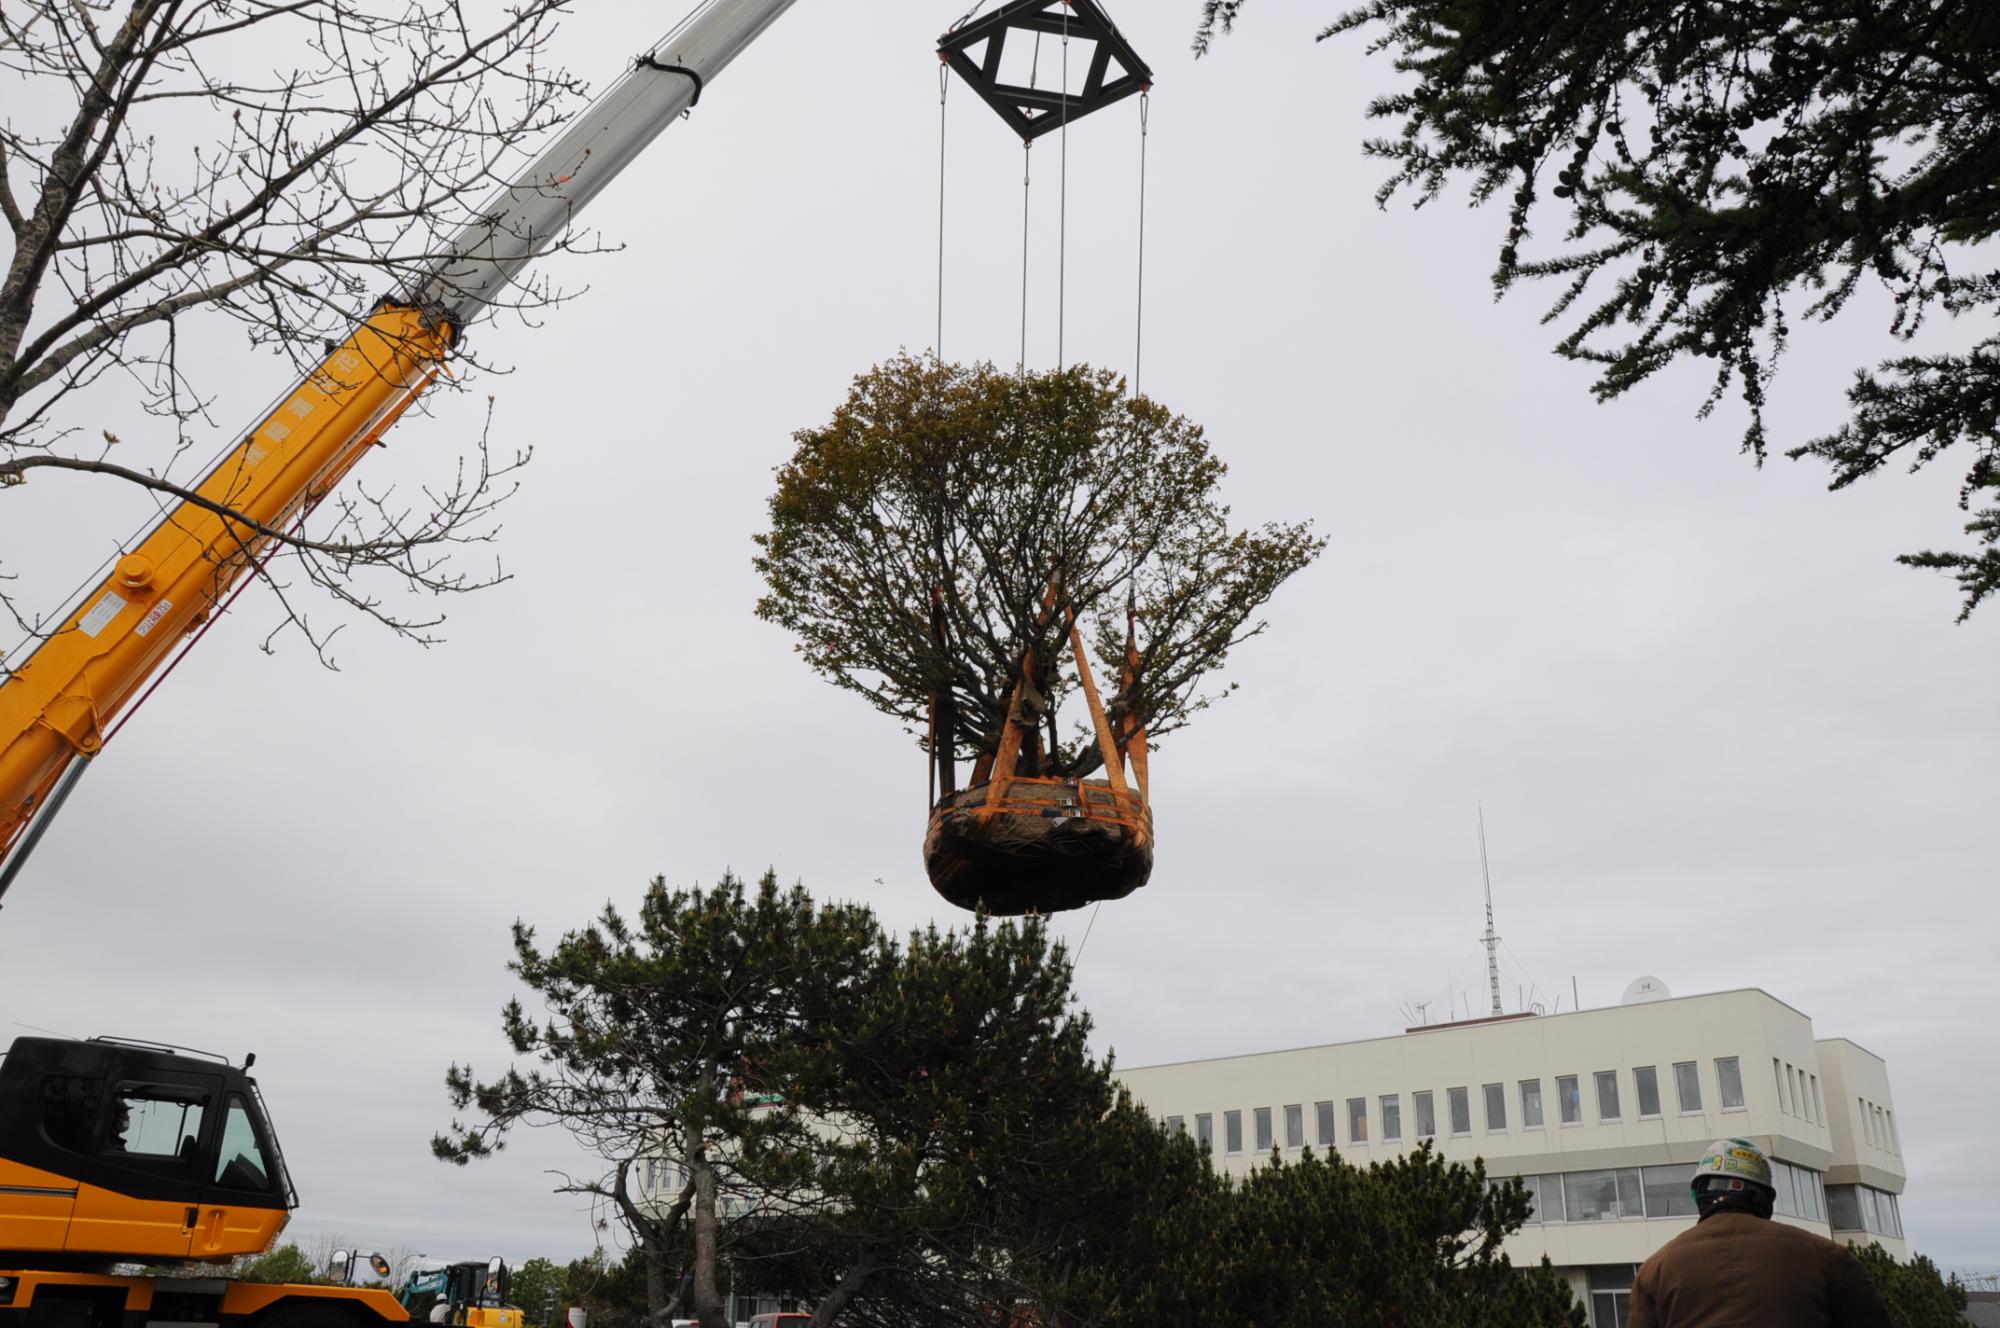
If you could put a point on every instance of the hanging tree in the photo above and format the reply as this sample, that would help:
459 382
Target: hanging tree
955 544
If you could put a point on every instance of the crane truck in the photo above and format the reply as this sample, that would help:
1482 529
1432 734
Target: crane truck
117 1155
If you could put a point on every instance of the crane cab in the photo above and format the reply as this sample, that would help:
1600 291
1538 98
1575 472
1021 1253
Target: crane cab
115 1151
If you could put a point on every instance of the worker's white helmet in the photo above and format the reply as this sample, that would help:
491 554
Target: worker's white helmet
1733 1160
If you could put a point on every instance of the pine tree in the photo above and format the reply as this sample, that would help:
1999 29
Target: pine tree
1917 1294
1720 171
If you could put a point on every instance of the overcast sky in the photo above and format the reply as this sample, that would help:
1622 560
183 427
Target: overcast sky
1719 735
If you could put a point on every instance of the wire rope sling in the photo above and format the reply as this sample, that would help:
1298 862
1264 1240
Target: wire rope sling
971 548
1021 838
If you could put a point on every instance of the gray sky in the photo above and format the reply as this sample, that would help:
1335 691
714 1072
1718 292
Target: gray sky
1719 735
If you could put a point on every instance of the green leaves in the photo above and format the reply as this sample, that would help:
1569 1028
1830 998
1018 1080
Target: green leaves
1413 1242
914 1131
1916 1293
985 484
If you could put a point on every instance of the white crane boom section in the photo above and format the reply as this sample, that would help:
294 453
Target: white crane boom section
529 216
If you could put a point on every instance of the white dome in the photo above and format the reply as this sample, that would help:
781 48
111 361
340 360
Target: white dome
1643 989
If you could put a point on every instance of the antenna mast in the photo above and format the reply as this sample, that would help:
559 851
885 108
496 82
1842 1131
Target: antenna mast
1492 942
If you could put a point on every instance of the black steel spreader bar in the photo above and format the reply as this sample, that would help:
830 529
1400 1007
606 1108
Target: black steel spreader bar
1032 112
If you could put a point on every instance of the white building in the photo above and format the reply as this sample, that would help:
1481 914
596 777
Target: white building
1603 1113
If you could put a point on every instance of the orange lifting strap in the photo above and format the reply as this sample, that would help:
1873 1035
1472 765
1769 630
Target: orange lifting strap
1015 843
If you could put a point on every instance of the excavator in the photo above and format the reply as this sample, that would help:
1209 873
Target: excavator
470 1294
118 1156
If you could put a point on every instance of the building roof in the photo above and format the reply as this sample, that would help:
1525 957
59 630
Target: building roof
1488 1020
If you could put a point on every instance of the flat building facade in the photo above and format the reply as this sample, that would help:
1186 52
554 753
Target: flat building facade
1602 1113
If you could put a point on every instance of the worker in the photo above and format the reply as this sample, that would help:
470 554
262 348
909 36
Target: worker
1736 1266
121 1121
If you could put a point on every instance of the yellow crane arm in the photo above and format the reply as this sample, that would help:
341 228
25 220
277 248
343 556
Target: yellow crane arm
57 708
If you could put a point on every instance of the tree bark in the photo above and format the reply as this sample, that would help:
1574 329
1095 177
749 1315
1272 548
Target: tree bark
707 1299
835 1302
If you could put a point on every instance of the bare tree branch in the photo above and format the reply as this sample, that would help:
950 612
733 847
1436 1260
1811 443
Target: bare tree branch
157 169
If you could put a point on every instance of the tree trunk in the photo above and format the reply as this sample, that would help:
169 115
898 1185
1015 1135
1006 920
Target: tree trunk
835 1302
659 1302
707 1300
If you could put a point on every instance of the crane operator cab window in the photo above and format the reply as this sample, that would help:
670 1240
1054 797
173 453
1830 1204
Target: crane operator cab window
241 1164
155 1121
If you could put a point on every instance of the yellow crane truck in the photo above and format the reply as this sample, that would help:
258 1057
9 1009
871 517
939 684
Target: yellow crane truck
119 1156
116 1154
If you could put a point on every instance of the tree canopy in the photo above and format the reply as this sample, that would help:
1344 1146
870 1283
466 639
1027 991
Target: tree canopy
1705 176
1413 1242
1916 1293
914 1132
988 487
651 1024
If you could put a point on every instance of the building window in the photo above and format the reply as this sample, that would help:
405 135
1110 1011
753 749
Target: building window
1729 1082
1646 1083
1461 1110
1531 1104
1687 1087
1867 1121
1204 1131
1668 1192
1357 1120
1569 1099
1895 1144
1819 1099
1843 1207
1607 1095
1323 1120
1800 1192
1262 1118
1610 1295
1549 1197
1778 1077
1392 1118
1232 1131
1427 1126
1174 1125
1786 1204
1496 1108
1604 1196
1295 1126
1803 1098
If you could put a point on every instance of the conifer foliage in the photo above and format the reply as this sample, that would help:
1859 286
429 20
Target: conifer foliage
1727 170
914 1133
1916 1293
986 485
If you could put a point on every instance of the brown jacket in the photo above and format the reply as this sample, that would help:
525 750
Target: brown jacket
1734 1270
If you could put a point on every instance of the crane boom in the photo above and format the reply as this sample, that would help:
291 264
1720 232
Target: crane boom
57 708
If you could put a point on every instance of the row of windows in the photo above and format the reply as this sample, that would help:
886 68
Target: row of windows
1494 1100
1798 1092
1863 1208
1878 1123
1640 1192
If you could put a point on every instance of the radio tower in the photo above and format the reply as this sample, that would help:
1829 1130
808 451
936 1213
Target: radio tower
1492 941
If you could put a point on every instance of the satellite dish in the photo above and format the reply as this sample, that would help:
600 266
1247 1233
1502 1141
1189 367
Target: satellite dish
1643 989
